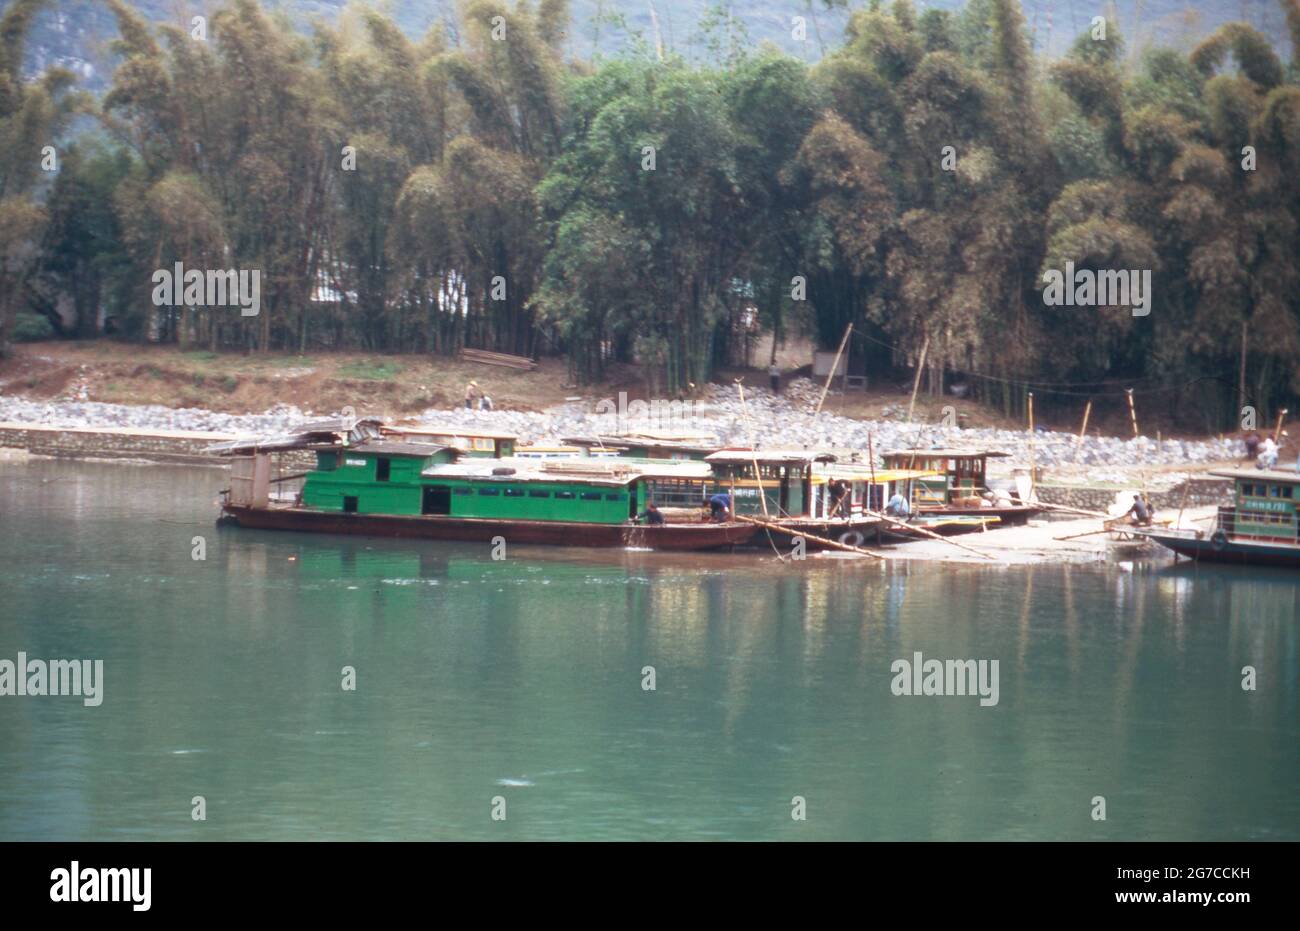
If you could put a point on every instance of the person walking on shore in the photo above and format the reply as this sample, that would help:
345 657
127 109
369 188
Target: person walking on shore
774 375
471 395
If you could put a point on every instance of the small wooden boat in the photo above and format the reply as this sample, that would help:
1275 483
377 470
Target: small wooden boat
1260 528
962 480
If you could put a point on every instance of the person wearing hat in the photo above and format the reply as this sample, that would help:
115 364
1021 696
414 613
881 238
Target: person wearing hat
471 394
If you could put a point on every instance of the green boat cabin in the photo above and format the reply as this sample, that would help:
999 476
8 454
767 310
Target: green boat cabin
1264 505
963 475
409 479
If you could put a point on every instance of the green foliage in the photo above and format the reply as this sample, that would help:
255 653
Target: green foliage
30 328
479 188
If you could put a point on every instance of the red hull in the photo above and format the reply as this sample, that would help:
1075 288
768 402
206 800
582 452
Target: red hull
697 536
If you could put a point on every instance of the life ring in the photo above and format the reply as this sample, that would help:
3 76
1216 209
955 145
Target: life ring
851 538
1219 540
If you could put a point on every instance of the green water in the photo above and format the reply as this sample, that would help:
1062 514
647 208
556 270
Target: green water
522 679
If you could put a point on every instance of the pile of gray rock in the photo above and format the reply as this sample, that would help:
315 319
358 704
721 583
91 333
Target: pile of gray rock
769 420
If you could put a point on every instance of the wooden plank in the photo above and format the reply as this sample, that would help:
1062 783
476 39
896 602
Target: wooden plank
522 363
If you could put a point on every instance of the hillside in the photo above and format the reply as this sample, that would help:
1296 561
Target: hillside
76 33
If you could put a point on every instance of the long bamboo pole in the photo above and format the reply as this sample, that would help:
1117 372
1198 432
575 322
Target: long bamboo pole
916 382
790 531
1033 472
1132 411
1083 431
1069 510
1277 430
834 365
928 533
758 475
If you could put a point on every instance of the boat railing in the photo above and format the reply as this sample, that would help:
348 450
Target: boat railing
1227 520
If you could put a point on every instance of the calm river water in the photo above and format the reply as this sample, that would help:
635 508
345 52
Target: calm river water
520 684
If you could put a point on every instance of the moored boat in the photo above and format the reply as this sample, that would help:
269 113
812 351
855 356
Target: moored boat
960 486
1259 528
365 482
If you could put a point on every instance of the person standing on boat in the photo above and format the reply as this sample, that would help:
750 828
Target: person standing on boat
898 507
839 493
1267 458
1251 441
720 507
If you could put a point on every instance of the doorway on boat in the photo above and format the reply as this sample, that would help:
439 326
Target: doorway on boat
349 504
436 500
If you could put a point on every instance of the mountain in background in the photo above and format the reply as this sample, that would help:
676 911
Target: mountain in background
76 33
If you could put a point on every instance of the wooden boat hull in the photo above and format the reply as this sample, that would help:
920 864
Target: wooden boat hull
1241 552
695 536
1014 516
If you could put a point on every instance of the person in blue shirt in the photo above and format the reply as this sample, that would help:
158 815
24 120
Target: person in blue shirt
898 506
720 507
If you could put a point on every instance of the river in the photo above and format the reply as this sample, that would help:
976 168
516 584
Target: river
521 688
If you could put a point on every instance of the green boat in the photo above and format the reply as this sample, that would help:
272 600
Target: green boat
1259 528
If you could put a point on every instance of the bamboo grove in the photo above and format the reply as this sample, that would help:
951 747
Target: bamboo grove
480 187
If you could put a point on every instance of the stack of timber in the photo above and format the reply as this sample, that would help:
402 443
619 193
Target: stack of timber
521 363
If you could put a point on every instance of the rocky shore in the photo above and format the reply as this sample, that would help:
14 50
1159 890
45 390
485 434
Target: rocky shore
769 420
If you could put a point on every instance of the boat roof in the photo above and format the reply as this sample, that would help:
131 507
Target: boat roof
684 436
626 440
428 429
395 448
597 472
860 471
940 453
316 434
1267 475
784 456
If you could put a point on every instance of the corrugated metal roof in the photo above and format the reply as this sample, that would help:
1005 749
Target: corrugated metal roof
770 456
394 448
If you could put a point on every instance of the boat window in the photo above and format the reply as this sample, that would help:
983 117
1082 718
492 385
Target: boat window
463 491
514 492
538 493
383 468
591 496
564 494
614 497
349 504
1286 490
489 491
